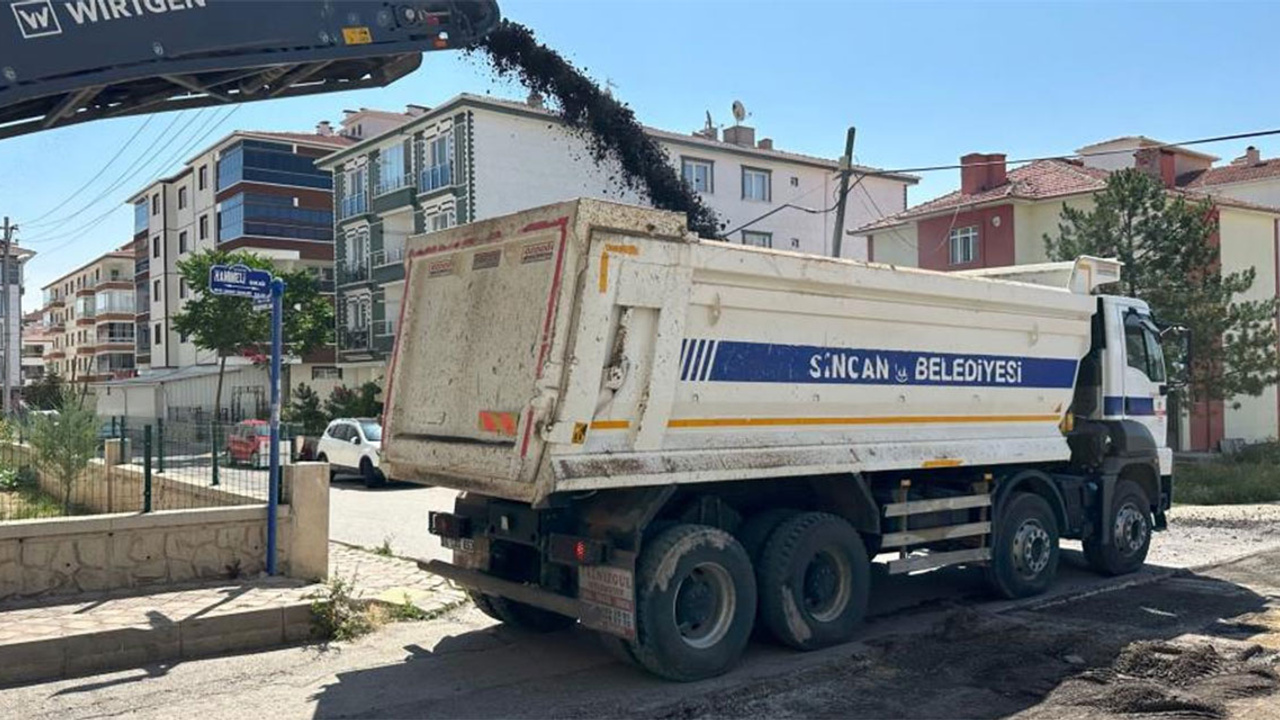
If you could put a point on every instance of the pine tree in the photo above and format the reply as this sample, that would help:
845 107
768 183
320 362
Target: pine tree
1171 261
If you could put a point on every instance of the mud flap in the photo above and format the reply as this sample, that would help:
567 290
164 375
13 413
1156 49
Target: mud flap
609 591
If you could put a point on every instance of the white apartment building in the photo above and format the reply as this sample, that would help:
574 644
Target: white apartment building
87 319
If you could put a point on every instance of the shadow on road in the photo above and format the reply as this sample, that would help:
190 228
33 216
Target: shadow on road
1104 655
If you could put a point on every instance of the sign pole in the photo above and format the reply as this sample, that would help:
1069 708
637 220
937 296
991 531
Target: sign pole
273 475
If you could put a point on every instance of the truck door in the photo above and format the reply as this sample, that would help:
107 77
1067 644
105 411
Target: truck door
1144 382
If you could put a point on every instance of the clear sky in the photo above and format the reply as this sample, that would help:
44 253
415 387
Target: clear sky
924 83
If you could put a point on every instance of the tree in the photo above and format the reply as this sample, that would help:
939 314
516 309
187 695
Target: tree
230 325
344 402
65 442
1167 245
44 393
304 411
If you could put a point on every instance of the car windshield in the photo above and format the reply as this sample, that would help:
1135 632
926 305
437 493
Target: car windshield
262 430
372 431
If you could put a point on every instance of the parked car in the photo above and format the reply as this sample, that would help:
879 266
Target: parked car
250 442
353 445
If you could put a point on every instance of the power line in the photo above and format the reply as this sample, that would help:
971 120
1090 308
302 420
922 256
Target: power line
35 222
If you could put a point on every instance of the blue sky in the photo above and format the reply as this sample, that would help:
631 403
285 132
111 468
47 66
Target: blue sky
923 82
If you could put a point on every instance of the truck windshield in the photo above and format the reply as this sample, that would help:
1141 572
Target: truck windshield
1142 346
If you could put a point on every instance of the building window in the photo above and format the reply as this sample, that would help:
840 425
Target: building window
155 247
251 214
757 239
757 184
204 227
158 337
439 170
698 174
326 372
964 245
155 289
442 220
182 241
140 221
182 290
391 174
155 204
353 192
202 177
182 198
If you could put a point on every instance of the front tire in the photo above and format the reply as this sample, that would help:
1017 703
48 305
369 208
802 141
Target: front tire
814 577
1130 521
373 478
1024 551
695 603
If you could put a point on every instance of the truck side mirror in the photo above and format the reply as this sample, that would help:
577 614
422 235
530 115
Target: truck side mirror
1180 368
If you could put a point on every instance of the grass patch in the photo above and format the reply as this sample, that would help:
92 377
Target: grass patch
337 613
1229 481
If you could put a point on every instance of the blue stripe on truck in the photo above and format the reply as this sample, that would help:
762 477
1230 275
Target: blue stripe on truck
751 362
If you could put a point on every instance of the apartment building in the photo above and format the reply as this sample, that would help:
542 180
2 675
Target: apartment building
11 342
476 157
88 320
35 338
1000 217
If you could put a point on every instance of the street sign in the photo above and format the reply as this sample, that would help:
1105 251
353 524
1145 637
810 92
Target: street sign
240 281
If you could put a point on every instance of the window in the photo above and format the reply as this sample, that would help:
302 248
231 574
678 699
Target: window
204 227
269 162
182 290
274 216
353 197
158 337
698 174
140 220
155 246
1142 346
326 372
758 239
439 170
391 170
442 220
182 337
155 204
964 245
202 177
182 242
155 289
182 197
757 184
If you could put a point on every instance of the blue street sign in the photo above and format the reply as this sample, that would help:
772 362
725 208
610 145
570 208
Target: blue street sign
240 281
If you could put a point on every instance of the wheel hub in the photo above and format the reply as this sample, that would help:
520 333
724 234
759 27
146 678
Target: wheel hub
828 585
1032 548
704 605
1130 531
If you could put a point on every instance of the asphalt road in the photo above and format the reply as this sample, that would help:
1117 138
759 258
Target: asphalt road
395 513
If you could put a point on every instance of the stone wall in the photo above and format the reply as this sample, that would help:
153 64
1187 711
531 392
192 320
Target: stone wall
69 555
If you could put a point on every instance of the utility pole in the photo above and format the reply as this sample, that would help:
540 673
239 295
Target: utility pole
4 307
846 169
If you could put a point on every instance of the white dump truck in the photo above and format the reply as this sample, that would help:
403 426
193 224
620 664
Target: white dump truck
674 440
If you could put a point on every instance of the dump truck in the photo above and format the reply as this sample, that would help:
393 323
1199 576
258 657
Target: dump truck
674 440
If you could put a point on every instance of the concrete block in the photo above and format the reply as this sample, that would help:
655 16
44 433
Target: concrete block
36 660
10 551
123 648
232 632
308 531
298 624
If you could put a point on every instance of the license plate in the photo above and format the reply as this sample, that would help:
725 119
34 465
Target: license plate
461 544
610 591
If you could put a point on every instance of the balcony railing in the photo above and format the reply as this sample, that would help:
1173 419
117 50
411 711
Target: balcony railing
141 266
386 185
436 176
386 327
354 205
115 339
391 256
353 339
353 273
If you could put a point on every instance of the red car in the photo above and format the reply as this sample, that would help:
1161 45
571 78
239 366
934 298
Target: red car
250 442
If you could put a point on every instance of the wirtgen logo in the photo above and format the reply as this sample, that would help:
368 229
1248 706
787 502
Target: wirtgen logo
36 18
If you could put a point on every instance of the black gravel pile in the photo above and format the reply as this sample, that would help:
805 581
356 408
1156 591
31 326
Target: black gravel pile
609 127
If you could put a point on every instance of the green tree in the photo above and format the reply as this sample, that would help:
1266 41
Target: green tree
305 412
65 442
230 325
44 393
1167 245
363 401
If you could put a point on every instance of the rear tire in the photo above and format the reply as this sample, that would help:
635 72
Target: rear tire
1024 551
527 617
755 532
814 578
1130 521
695 603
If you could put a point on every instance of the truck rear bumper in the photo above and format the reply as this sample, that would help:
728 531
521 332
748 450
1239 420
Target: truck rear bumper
527 594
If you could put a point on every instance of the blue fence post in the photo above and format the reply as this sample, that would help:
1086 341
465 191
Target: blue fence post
146 469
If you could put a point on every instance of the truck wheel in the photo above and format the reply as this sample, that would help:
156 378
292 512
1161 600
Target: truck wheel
755 532
1024 551
527 617
814 576
481 601
695 603
1130 520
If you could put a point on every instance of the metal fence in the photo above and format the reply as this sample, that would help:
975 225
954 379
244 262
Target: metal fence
136 467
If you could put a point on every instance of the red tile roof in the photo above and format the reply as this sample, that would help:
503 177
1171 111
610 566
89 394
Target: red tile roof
1228 174
1038 180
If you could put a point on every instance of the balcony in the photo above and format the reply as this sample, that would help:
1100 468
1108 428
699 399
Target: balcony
354 205
141 267
384 328
353 339
436 177
353 273
390 256
390 185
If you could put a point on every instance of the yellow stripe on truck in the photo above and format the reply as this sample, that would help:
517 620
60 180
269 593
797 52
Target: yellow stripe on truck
810 421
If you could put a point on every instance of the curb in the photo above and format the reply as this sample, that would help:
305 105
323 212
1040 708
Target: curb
161 643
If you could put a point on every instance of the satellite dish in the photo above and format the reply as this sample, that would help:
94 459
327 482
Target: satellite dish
739 111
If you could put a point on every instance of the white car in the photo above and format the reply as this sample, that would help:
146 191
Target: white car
353 445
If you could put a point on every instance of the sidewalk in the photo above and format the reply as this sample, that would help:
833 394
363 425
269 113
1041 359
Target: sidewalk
108 631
